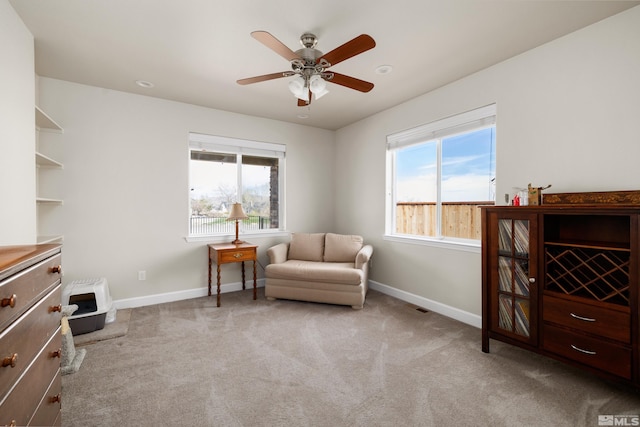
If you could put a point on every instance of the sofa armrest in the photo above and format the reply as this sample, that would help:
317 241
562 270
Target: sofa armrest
278 254
363 257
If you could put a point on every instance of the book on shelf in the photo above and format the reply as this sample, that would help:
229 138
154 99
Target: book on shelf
522 317
505 274
504 235
521 237
521 282
505 312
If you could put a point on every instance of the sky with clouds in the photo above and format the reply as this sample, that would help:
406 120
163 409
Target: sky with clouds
468 167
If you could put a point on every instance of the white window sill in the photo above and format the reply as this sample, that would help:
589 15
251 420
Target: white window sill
223 238
465 246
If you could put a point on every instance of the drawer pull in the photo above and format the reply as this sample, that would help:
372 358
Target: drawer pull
11 301
57 269
591 353
57 353
238 255
586 319
56 398
10 360
55 308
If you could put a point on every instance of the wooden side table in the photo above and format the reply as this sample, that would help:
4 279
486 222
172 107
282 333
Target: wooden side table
224 253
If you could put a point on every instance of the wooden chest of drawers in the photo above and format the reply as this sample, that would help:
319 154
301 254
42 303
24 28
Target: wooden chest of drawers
30 340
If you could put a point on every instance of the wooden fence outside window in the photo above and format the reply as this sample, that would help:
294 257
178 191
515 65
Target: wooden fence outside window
459 219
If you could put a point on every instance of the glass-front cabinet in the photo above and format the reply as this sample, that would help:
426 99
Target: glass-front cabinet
511 277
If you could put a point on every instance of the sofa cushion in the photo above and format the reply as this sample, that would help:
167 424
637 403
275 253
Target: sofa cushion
342 247
309 271
306 246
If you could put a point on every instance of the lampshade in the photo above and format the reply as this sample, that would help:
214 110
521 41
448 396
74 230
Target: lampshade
298 88
318 86
236 212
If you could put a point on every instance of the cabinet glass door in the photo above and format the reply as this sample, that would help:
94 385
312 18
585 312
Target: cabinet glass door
513 276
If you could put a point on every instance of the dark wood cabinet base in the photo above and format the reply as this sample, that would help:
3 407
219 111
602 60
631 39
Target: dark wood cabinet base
563 281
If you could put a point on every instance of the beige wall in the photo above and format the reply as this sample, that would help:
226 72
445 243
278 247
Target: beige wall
17 131
125 189
567 116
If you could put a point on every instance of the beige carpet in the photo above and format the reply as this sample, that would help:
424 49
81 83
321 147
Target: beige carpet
283 363
115 329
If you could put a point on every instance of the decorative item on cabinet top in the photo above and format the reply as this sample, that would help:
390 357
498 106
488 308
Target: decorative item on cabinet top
535 194
629 197
528 196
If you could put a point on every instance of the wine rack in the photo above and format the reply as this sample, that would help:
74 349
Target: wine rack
595 273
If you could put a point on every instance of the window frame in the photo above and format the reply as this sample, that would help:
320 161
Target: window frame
239 147
437 130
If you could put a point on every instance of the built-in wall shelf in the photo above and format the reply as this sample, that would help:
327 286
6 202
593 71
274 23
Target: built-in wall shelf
49 239
48 178
46 123
42 160
49 201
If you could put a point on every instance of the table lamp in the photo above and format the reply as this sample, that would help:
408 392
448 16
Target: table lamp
236 214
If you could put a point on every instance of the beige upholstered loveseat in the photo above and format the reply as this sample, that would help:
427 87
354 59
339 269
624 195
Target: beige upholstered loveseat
318 267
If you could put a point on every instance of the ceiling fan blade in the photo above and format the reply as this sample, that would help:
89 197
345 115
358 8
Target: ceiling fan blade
360 44
263 78
351 82
275 45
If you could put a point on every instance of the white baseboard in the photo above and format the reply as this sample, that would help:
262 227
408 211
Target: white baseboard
435 306
179 295
445 310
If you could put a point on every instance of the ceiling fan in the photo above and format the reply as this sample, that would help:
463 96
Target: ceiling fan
309 65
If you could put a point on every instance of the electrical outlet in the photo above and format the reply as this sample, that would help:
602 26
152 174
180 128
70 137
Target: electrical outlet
142 275
506 197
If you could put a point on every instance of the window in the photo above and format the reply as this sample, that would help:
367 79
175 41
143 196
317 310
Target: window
223 171
438 174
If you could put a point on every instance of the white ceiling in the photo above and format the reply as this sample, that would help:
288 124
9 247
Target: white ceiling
195 50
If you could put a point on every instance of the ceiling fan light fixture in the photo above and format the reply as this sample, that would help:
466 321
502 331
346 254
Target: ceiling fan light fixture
318 86
298 88
304 96
317 83
320 94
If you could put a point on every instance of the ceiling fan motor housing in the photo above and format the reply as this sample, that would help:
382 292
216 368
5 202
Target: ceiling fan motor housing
308 54
306 64
308 40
